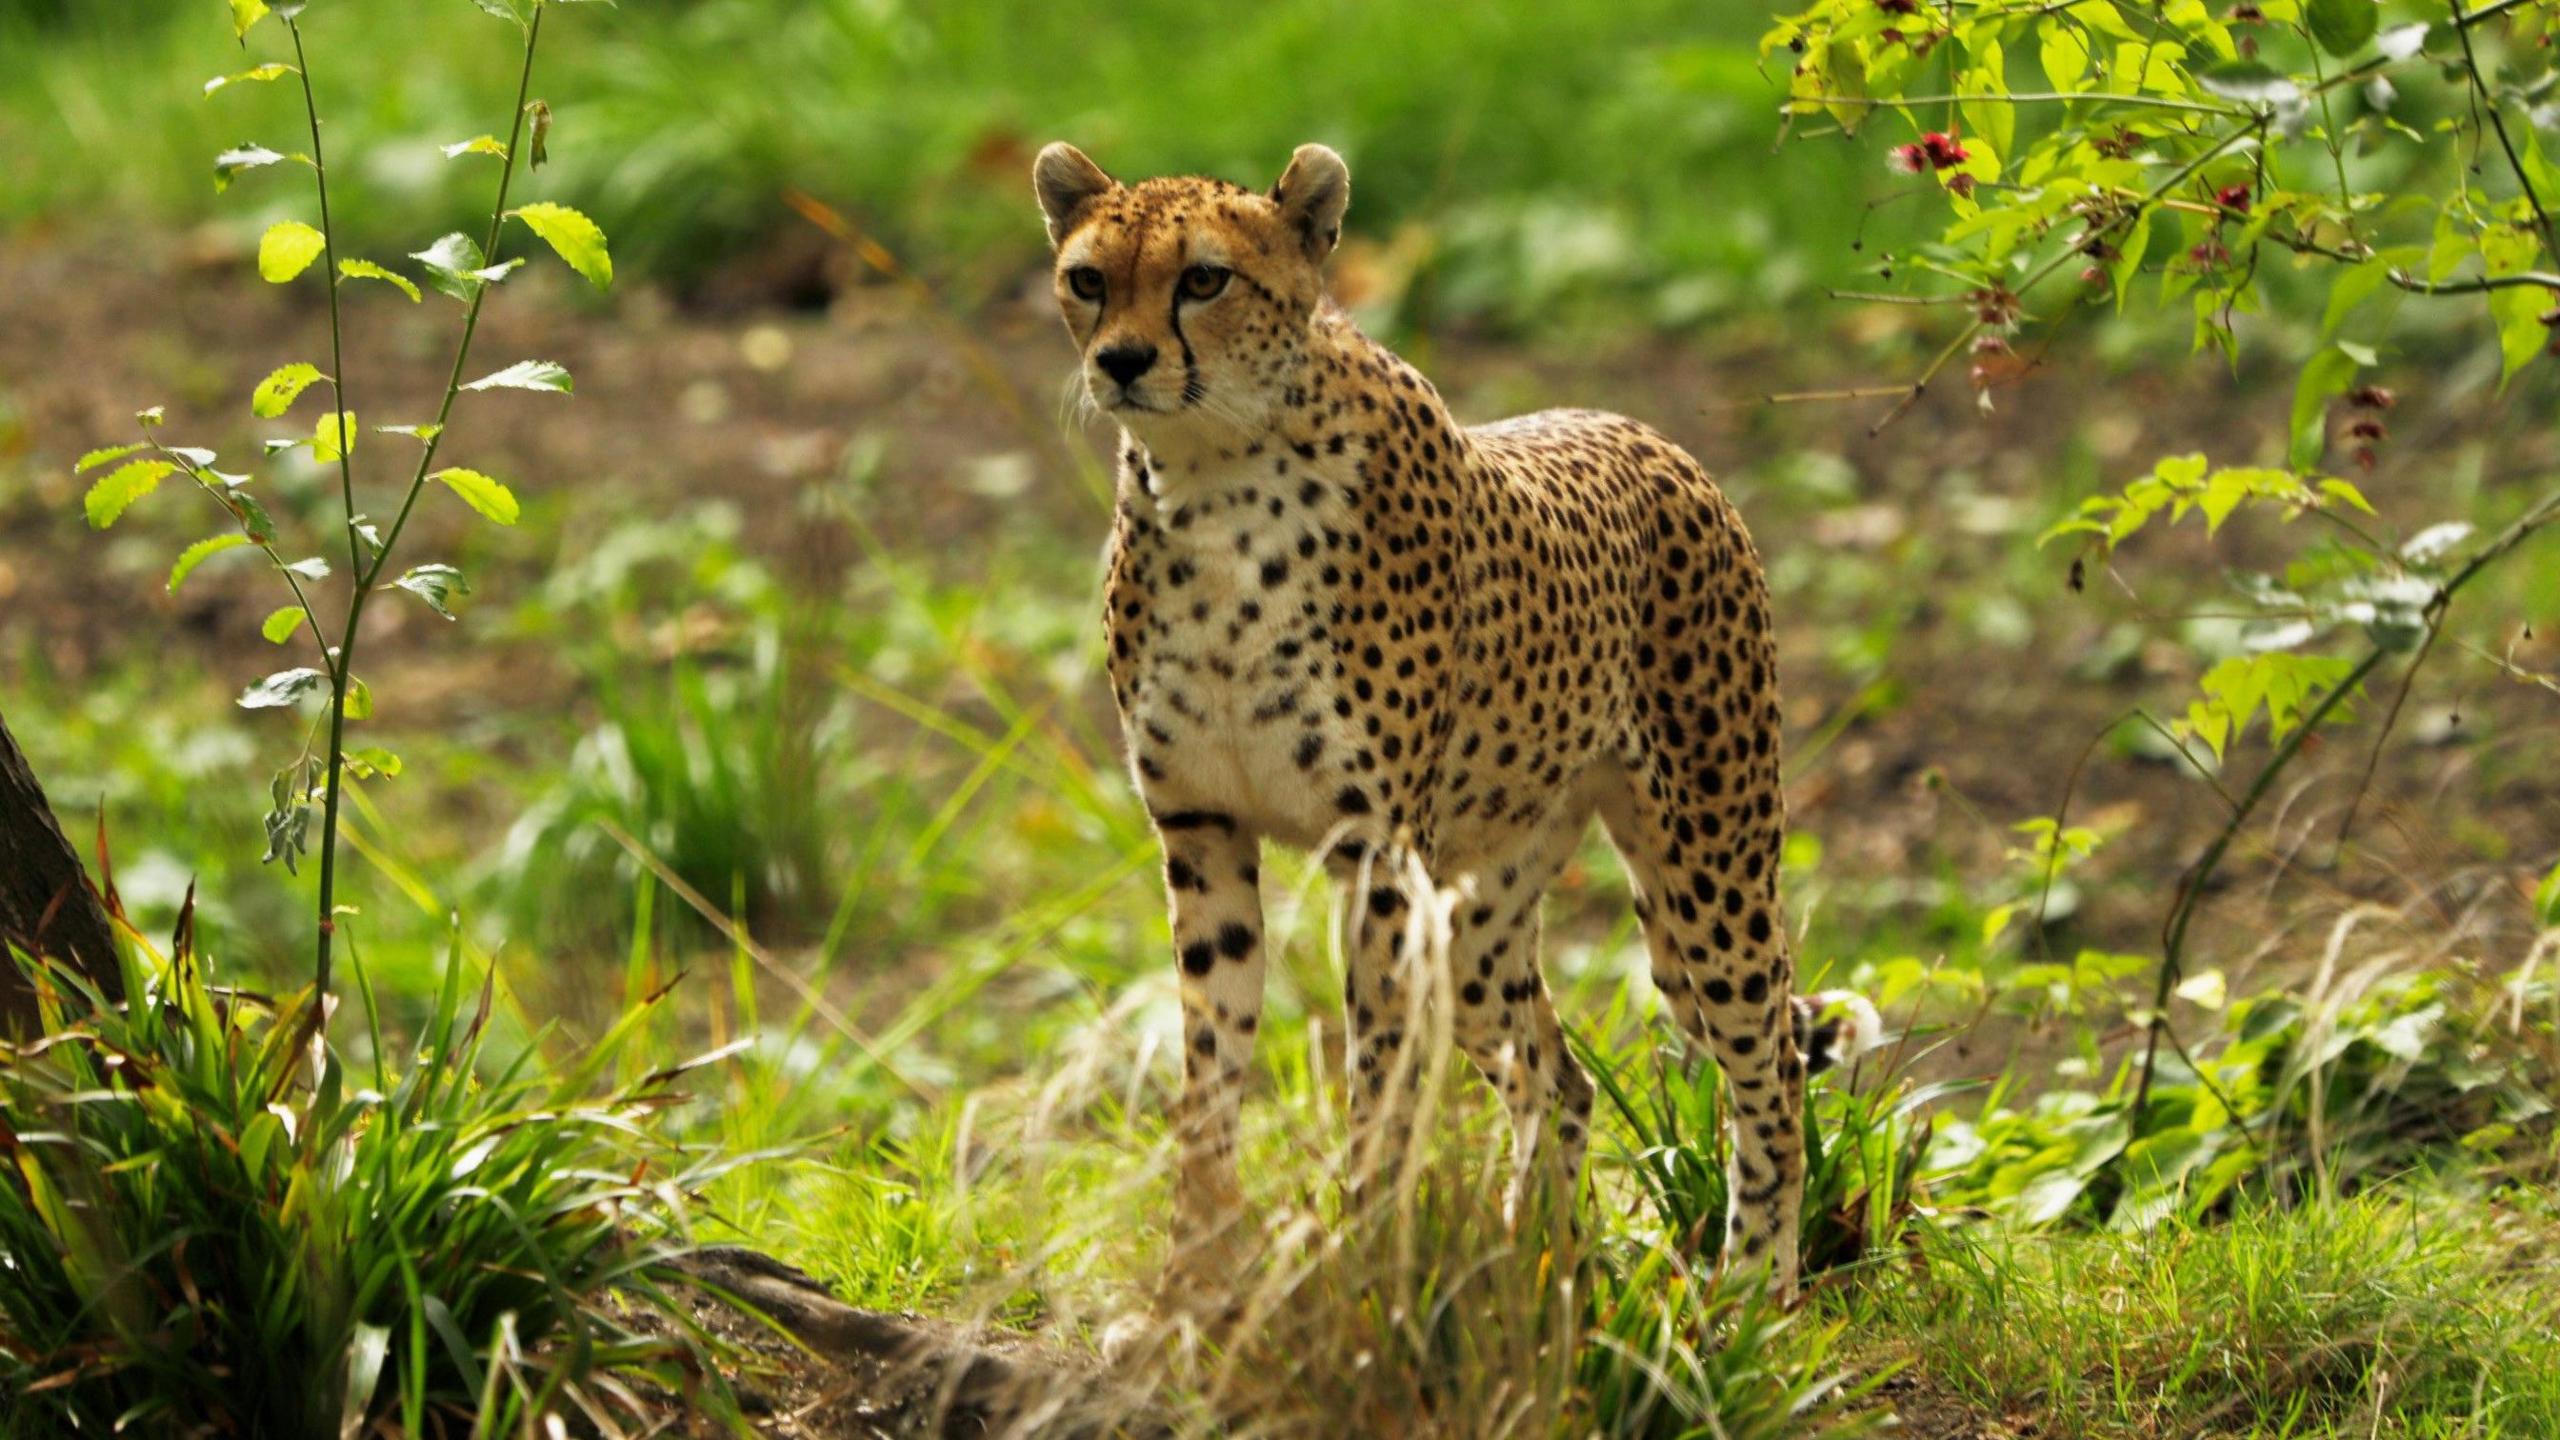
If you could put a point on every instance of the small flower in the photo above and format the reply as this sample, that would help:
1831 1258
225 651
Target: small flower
1899 7
2233 197
2371 397
2368 430
1943 149
2247 14
2092 275
1907 159
1889 36
2208 254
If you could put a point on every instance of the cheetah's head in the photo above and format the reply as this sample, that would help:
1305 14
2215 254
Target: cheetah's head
1190 298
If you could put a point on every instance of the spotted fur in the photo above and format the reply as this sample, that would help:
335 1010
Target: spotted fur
1340 620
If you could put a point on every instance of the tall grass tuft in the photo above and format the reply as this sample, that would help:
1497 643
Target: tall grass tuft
213 1221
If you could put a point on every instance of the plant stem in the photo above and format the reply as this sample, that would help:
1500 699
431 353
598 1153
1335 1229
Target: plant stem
342 675
2191 885
329 258
2498 123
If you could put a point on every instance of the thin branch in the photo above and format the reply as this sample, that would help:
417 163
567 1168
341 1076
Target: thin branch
342 675
2498 122
337 347
2028 97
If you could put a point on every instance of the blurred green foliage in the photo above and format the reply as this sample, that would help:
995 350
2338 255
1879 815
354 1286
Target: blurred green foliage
1529 155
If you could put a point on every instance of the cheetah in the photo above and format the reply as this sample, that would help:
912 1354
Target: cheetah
1341 621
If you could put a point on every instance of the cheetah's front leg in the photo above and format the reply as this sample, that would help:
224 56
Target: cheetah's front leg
1213 881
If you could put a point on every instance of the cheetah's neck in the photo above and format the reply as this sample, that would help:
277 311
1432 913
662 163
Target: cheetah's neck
1354 415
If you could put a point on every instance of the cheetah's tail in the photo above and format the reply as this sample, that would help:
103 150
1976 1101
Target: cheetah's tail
1834 1027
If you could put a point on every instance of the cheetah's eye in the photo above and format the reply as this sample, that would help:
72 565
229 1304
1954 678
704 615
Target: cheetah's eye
1201 282
1086 282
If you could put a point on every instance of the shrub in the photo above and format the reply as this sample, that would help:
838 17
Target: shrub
213 1219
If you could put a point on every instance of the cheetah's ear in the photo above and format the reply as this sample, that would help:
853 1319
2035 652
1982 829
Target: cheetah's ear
1066 182
1312 194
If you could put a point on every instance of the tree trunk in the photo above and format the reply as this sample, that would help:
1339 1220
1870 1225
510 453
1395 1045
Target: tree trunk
46 903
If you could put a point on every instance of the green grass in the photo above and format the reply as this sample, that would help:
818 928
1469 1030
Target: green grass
1527 158
2408 1313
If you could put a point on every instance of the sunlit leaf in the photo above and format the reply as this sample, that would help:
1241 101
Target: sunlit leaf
2546 899
279 627
287 249
476 145
245 13
116 491
367 270
273 69
2402 41
481 493
367 761
334 436
526 375
310 568
2250 82
359 700
455 266
276 394
575 237
230 163
2435 542
436 585
196 554
96 458
282 688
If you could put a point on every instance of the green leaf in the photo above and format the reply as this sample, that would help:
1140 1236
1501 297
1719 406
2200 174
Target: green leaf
526 375
96 458
310 568
279 627
367 270
245 13
287 249
276 394
2517 309
481 493
2546 899
247 157
151 418
2327 375
476 145
520 11
272 70
368 761
437 585
456 267
2065 55
2342 26
2345 492
334 436
359 700
573 236
2250 82
282 688
119 488
198 553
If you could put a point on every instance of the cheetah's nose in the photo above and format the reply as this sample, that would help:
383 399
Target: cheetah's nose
1127 360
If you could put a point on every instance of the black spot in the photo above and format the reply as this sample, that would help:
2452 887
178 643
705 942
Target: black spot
1235 940
1197 957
